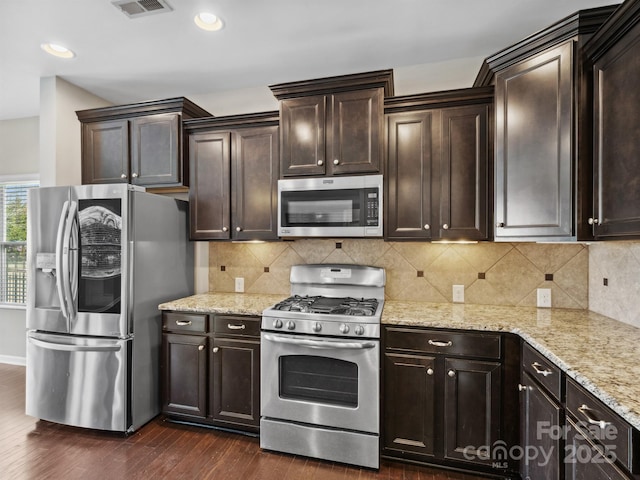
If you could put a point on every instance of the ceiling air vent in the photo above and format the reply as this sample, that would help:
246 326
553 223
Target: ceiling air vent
140 8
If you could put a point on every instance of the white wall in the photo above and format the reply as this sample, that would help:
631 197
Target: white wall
48 146
19 150
60 132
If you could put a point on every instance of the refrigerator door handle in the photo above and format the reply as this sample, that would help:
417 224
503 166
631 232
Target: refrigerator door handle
67 254
59 260
111 347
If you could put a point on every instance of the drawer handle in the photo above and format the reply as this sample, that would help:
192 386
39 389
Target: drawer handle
231 326
586 411
183 323
540 369
438 343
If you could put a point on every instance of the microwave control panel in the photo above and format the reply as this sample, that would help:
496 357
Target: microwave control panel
371 198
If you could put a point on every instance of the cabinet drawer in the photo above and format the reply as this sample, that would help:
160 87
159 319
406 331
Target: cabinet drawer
184 322
456 343
236 325
542 370
602 424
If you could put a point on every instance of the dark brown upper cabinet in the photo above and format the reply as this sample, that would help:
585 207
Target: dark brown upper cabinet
438 151
333 126
543 122
139 143
615 53
234 174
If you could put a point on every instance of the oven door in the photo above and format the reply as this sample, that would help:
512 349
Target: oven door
322 381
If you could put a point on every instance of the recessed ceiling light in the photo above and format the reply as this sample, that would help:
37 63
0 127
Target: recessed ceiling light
57 50
208 21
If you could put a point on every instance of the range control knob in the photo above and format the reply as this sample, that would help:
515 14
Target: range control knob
359 330
277 323
344 328
291 325
316 327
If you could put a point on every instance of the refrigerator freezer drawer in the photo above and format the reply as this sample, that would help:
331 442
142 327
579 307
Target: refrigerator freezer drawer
78 381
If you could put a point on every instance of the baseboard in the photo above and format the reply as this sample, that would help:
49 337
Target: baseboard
11 360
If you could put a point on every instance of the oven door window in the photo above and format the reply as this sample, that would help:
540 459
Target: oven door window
319 380
323 208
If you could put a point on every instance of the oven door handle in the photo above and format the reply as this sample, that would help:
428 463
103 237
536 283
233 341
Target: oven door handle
319 343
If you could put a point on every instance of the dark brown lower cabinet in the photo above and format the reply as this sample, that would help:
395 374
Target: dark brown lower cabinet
586 461
211 370
542 419
471 409
444 398
235 386
185 374
409 413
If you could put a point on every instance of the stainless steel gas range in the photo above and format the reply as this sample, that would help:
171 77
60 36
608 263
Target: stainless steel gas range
320 365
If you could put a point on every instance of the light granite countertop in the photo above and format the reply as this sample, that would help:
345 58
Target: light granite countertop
600 353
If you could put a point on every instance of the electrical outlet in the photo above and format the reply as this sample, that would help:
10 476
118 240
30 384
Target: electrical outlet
239 284
458 293
544 297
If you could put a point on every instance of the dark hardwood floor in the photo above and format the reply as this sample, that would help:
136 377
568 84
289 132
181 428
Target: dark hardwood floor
33 449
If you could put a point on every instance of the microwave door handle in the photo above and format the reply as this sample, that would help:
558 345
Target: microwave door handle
67 258
59 260
319 343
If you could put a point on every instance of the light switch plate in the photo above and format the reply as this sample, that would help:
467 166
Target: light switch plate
458 294
544 297
239 284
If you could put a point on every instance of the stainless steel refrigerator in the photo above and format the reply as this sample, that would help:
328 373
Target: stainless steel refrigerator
100 259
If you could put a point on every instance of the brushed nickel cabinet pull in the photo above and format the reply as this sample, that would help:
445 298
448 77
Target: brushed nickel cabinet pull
587 412
540 369
231 326
429 371
215 349
200 347
183 323
451 373
523 388
438 343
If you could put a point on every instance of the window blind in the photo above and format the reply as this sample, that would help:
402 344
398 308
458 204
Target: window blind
13 242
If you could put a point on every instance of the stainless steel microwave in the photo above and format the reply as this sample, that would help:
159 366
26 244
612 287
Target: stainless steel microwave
330 206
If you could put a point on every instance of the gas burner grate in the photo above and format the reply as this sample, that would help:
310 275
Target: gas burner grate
329 305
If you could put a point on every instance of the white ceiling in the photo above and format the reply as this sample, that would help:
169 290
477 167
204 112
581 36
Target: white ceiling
264 42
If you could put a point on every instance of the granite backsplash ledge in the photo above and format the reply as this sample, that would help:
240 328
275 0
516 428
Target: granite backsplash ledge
492 273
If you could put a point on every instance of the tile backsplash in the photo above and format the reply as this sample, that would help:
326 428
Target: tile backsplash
618 265
492 273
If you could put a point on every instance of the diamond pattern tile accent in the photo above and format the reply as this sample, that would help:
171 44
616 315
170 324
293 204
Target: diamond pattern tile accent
512 271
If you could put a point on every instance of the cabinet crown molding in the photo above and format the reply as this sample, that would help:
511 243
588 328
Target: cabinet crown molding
231 121
583 22
379 78
442 99
617 25
170 105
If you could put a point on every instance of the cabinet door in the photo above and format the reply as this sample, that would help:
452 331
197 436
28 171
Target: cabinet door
105 152
356 126
155 150
303 135
255 161
184 362
464 155
235 384
209 197
616 127
408 202
409 404
534 147
542 422
471 410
